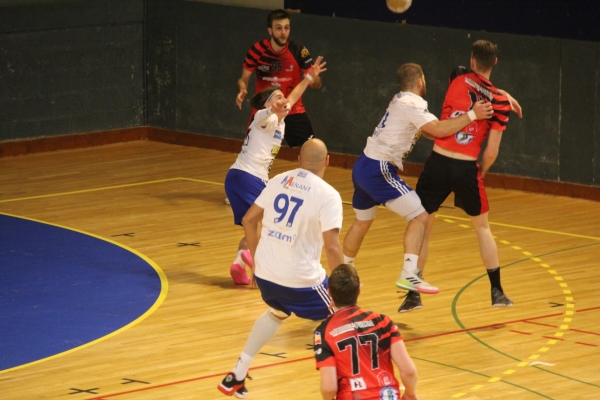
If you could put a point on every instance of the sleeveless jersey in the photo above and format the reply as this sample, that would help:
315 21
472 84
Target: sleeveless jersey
399 129
357 342
261 145
463 93
298 207
284 68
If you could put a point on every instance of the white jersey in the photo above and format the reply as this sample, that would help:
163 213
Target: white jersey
299 206
399 129
261 144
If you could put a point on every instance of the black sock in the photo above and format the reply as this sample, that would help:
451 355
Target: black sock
494 275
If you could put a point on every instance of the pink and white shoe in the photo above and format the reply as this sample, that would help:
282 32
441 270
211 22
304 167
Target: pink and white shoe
247 258
239 275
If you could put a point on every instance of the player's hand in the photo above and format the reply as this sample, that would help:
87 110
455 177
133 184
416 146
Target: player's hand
240 98
318 67
483 109
409 397
514 104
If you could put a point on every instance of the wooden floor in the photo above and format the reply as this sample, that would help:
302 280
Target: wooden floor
545 347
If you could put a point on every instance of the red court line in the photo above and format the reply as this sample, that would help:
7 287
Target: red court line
587 344
522 333
589 333
311 357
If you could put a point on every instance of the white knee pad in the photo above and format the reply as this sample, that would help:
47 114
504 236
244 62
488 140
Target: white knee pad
366 215
407 205
279 314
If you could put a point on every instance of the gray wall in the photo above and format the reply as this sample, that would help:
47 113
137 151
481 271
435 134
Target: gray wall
74 67
71 67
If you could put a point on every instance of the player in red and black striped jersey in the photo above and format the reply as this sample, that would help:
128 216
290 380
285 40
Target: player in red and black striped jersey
355 348
453 164
283 62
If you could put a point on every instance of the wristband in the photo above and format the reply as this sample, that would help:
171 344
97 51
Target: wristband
310 78
472 115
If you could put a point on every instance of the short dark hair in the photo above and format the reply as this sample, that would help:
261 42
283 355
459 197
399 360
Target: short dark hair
408 75
484 53
277 15
458 71
344 285
259 99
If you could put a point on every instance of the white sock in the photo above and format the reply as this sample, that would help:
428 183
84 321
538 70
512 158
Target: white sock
264 328
243 365
349 260
238 259
410 263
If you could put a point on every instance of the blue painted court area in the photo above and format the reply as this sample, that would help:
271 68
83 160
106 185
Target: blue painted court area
61 289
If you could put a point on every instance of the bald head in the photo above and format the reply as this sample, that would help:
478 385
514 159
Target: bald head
313 156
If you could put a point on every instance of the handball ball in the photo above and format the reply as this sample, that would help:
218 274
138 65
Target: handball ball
398 6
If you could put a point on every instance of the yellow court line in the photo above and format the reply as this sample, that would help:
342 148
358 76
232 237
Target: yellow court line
164 284
90 190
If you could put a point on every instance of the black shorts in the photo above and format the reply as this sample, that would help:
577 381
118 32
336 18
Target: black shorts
298 129
443 175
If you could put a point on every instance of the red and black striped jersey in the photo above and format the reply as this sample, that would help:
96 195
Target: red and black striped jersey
284 68
357 342
464 91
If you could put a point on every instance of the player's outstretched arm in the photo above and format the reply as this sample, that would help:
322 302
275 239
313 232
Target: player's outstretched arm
514 104
329 385
242 87
407 368
491 151
318 68
333 248
481 110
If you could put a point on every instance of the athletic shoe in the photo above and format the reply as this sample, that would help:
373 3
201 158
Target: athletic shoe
229 386
499 299
239 275
247 258
412 301
414 283
241 393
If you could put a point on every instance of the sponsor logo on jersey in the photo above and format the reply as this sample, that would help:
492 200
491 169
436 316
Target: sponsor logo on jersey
351 326
275 79
264 68
290 68
317 337
357 384
281 236
275 150
302 174
277 134
480 88
304 52
318 351
388 393
288 183
463 138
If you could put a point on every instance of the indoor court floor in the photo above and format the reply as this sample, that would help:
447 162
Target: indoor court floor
183 322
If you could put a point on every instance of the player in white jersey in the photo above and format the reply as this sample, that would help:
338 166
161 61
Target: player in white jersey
377 182
247 177
300 214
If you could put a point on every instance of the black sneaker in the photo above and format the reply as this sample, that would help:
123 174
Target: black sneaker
499 299
412 301
229 385
241 393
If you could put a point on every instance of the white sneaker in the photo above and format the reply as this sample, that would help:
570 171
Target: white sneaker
414 283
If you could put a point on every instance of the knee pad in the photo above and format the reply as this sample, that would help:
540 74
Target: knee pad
366 215
407 205
280 315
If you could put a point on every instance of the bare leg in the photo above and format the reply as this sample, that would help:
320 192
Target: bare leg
415 232
425 248
487 244
355 236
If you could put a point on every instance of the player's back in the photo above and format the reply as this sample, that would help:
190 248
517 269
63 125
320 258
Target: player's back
299 206
359 341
